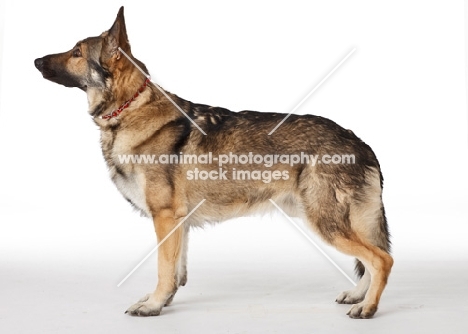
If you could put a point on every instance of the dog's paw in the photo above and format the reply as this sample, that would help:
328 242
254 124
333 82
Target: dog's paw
145 307
349 297
362 311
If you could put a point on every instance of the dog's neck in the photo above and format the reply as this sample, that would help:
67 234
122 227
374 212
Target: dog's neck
98 100
127 103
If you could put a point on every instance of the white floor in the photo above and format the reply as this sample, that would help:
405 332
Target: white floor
237 284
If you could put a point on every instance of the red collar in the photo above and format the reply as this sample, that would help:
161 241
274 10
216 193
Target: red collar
127 103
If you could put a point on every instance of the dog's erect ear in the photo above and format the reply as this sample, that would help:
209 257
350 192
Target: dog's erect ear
117 36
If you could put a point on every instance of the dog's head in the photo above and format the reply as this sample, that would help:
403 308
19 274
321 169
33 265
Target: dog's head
91 62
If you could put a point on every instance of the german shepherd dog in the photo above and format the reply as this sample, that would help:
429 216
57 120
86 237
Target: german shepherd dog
342 202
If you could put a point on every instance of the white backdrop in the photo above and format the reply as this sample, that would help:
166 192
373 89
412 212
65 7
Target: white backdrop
2 21
402 91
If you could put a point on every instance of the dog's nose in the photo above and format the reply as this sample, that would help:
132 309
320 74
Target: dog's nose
39 63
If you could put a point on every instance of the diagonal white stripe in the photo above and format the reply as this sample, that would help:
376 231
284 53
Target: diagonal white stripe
160 243
313 242
313 90
162 91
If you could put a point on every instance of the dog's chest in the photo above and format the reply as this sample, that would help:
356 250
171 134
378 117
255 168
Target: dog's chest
132 187
130 182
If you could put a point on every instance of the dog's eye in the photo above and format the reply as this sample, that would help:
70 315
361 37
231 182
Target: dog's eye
76 53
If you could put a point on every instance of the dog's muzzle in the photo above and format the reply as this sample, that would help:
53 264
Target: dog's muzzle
42 64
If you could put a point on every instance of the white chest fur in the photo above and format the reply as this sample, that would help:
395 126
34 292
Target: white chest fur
132 187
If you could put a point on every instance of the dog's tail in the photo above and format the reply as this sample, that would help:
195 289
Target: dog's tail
380 238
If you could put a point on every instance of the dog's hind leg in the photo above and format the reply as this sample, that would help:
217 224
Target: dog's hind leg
377 262
371 226
368 222
355 224
169 253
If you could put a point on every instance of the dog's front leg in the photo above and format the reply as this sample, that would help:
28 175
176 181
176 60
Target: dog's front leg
169 253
